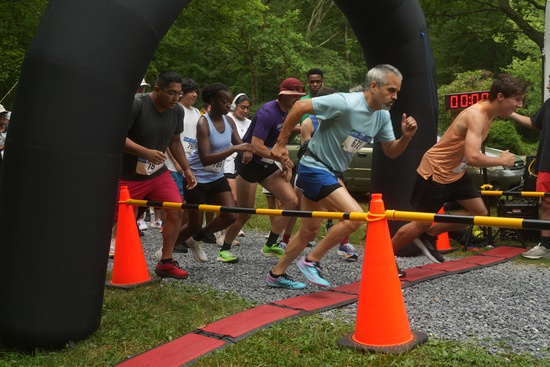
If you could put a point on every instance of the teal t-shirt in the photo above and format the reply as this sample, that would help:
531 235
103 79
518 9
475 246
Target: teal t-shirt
347 125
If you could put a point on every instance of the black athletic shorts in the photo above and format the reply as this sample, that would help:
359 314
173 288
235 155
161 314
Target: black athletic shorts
254 172
200 193
429 196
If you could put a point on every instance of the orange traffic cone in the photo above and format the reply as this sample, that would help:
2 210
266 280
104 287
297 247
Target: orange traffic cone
442 243
129 267
382 324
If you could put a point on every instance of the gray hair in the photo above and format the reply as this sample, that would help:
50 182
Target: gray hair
379 75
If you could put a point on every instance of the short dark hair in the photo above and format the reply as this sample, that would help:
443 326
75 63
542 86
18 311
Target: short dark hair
188 85
325 91
314 71
166 77
508 85
211 90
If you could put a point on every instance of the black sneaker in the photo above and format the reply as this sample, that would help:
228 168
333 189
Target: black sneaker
426 244
180 248
209 239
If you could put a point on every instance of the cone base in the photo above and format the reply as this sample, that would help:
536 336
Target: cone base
152 280
418 338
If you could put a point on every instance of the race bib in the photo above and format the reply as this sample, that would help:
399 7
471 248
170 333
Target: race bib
216 167
146 168
355 141
189 145
460 168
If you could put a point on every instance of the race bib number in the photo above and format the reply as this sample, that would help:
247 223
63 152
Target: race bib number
146 168
355 141
216 167
189 145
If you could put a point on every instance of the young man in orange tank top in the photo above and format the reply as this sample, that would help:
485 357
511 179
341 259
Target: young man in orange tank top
441 174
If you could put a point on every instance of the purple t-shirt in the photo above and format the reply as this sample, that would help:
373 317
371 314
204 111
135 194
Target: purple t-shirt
266 125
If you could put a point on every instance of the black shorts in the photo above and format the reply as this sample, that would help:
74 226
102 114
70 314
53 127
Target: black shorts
254 172
230 175
429 196
200 193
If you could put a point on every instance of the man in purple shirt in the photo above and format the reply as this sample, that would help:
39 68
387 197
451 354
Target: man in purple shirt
263 134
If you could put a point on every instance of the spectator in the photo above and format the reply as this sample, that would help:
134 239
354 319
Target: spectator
541 121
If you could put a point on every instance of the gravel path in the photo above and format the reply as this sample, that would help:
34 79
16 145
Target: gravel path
504 308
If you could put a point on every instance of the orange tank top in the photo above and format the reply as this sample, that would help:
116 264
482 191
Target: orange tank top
445 161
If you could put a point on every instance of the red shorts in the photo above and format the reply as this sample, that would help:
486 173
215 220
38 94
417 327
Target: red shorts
543 181
161 188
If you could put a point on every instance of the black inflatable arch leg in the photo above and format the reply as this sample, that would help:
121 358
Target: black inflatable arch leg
67 131
395 32
62 163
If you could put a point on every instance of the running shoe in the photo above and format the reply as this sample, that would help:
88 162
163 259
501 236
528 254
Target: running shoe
112 248
157 223
241 234
142 225
180 248
220 236
537 252
426 244
226 257
312 244
170 270
158 254
348 251
197 250
276 250
400 273
312 271
210 239
283 281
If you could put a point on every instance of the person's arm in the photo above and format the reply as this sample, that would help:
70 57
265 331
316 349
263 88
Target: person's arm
301 107
238 145
523 120
176 164
393 149
205 151
152 155
307 130
473 141
176 148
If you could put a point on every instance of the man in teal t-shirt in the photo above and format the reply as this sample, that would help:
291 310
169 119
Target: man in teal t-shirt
350 120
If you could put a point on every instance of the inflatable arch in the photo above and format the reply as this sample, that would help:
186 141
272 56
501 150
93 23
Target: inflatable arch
68 128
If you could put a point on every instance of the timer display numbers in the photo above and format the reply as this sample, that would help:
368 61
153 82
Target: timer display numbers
455 101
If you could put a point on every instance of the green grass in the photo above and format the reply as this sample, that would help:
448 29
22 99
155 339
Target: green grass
137 320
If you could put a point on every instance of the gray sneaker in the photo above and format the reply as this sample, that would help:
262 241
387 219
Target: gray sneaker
537 252
197 250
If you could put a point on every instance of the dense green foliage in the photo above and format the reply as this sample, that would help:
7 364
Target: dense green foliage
252 45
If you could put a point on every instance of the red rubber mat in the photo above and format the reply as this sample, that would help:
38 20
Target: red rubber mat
236 327
175 353
317 302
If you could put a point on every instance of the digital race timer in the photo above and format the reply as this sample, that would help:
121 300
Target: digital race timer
455 101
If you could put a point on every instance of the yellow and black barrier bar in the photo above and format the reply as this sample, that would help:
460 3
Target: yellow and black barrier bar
525 194
504 222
